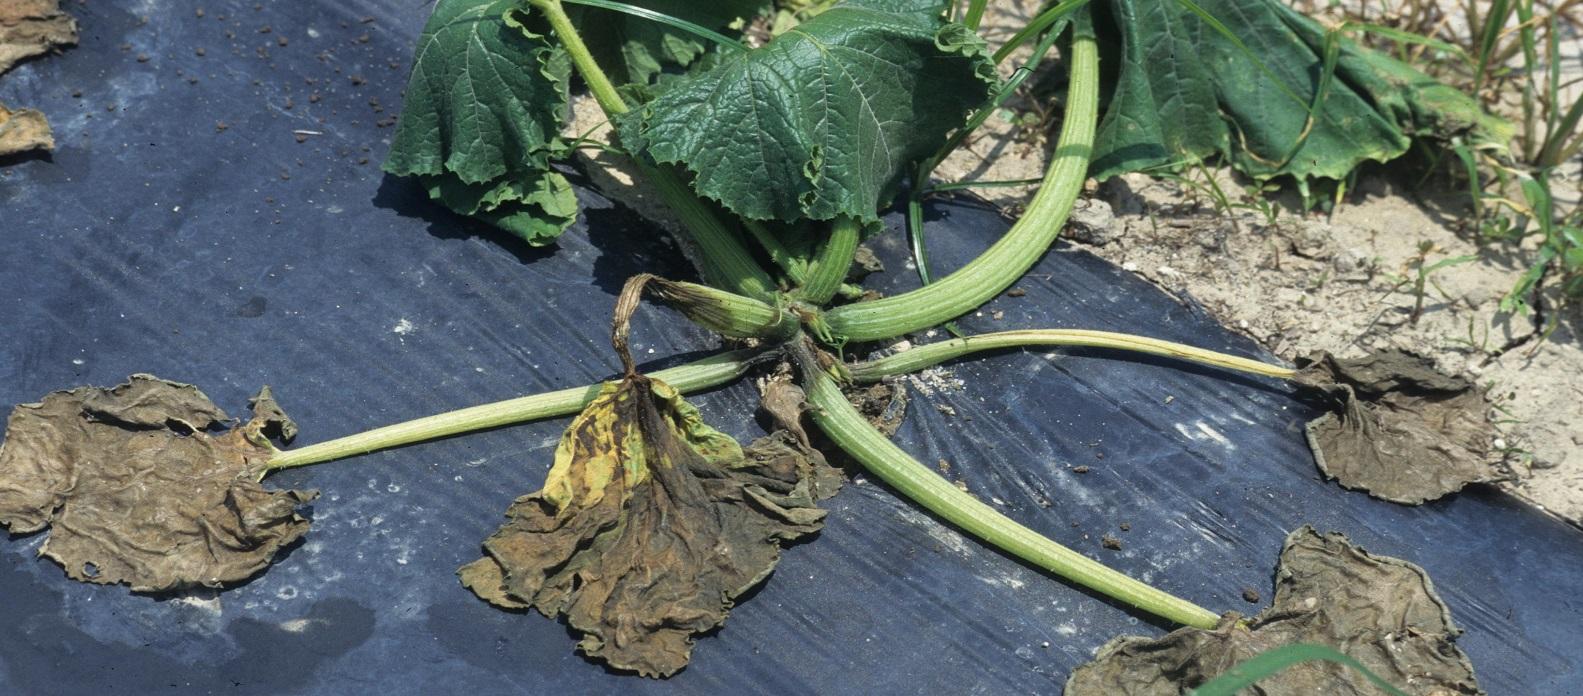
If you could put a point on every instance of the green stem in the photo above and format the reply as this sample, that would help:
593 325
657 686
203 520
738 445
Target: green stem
849 431
833 261
599 84
1009 258
794 266
703 374
725 313
975 13
920 357
725 261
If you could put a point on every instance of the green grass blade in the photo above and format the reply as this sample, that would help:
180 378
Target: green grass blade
980 183
1489 34
1270 662
1044 21
662 18
1406 37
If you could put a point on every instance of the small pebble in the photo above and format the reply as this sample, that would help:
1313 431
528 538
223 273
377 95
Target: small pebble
1250 595
1110 542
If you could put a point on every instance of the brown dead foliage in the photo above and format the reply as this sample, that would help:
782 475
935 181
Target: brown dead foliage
135 489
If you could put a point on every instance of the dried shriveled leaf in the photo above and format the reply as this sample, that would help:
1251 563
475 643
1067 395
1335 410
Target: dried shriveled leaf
135 491
1383 612
29 28
32 27
1399 429
649 525
23 130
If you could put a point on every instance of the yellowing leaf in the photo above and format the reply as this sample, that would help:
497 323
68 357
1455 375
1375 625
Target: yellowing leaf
649 525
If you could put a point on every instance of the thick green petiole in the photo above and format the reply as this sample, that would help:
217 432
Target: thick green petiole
703 374
832 262
725 313
1010 257
725 261
920 357
852 433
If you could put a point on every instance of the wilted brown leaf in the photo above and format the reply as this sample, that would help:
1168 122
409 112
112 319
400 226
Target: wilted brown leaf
135 491
1381 611
23 130
649 525
1398 428
31 27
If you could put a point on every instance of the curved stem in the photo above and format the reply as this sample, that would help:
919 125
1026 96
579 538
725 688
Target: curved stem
1041 23
695 376
848 429
920 357
701 32
599 84
1010 257
725 261
833 261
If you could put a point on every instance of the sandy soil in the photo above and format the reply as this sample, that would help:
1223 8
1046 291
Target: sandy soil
1345 284
1342 283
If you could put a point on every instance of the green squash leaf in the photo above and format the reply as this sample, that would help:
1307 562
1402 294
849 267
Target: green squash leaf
1184 91
635 50
537 207
823 120
482 119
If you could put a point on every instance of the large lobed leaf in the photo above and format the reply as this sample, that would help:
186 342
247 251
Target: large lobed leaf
1184 91
635 50
482 118
823 120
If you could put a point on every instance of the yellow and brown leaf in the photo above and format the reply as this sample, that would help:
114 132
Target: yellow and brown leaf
650 524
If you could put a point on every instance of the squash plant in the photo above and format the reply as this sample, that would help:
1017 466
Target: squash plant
777 159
